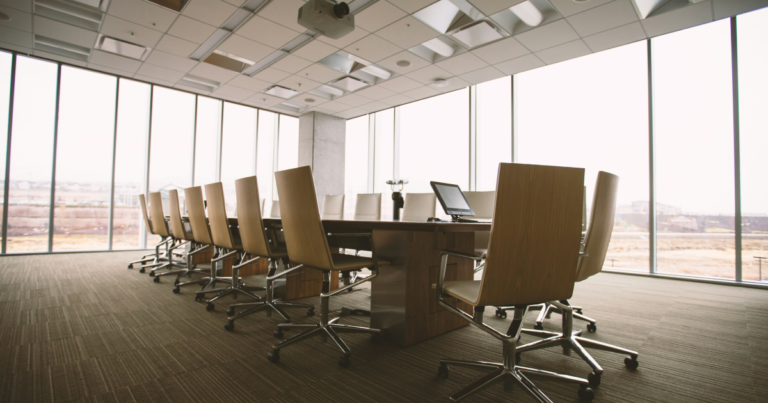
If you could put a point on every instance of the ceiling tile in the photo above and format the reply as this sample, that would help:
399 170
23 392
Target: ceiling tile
176 46
603 18
314 51
240 46
191 89
352 100
170 61
489 7
429 74
300 84
52 56
212 12
335 106
351 113
236 3
143 13
407 32
114 61
110 70
212 72
249 83
345 40
372 48
411 6
64 32
191 30
400 84
375 93
267 32
130 32
616 37
291 64
524 63
566 51
728 8
153 80
454 83
374 106
397 100
21 5
570 7
676 20
421 93
317 100
161 73
480 76
500 51
462 63
271 74
318 72
19 20
16 37
284 12
549 35
261 100
378 16
235 93
390 63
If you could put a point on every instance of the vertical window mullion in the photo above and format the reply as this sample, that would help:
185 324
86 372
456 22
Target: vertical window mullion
371 151
6 185
143 232
112 182
396 145
53 165
736 147
473 138
220 144
194 143
651 169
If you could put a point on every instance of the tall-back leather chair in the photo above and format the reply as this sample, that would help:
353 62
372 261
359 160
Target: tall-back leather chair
532 258
155 258
368 207
419 206
307 246
595 247
482 204
160 227
201 233
333 207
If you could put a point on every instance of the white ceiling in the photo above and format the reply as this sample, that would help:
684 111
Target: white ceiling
385 32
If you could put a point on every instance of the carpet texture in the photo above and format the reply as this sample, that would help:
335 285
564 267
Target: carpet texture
82 327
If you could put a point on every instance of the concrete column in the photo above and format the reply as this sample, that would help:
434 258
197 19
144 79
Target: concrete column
321 146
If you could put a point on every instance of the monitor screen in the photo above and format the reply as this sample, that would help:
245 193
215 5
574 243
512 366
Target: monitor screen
452 199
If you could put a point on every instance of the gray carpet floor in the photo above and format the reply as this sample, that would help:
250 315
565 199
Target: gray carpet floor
81 327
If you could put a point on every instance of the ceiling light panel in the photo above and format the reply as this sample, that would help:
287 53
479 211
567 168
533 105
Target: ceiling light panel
438 49
122 48
62 48
228 61
75 14
200 82
210 44
327 92
478 34
447 15
526 15
173 5
280 91
349 84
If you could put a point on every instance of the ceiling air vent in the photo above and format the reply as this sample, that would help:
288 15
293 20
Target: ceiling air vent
292 106
354 66
327 92
477 34
173 5
62 48
122 48
200 83
100 4
349 84
526 15
280 91
71 13
228 61
447 15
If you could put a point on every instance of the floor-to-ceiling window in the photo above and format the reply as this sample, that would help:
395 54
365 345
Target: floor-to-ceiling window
6 65
356 162
384 155
693 135
238 149
265 158
207 137
494 130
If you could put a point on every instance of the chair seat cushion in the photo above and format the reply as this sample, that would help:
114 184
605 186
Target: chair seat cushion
343 262
467 291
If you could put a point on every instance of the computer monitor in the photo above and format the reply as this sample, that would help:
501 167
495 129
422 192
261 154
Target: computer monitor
452 199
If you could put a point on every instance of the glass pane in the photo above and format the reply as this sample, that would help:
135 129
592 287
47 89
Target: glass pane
693 134
6 61
84 160
592 112
173 125
238 150
207 140
384 139
494 130
130 163
265 157
34 110
355 162
753 99
288 143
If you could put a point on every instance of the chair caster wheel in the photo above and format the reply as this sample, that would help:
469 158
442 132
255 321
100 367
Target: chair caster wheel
344 361
198 297
518 358
278 333
631 362
130 266
231 311
346 311
591 327
376 338
586 393
538 326
142 270
274 356
157 279
176 290
443 371
229 326
594 379
151 274
311 311
501 314
176 282
579 311
210 307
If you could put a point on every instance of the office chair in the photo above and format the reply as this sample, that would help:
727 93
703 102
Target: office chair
482 205
419 206
333 207
307 244
367 208
201 233
229 246
160 226
532 258
261 243
596 247
156 257
274 208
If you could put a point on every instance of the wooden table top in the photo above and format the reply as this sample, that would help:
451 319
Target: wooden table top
387 225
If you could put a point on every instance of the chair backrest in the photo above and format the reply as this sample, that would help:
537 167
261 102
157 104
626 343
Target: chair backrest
302 226
159 225
217 216
368 207
419 206
481 203
333 207
249 221
143 205
274 208
600 225
201 232
535 236
176 224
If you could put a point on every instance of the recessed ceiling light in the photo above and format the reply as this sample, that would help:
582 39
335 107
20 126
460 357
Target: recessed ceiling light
440 82
4 17
404 63
309 100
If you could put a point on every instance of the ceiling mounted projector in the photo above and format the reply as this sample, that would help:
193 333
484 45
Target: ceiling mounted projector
327 18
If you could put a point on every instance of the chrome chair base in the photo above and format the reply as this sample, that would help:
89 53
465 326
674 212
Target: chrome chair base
236 286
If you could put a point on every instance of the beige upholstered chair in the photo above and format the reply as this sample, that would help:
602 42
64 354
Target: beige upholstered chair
228 246
482 205
182 238
532 258
368 207
152 259
333 207
201 233
261 243
308 247
596 247
274 208
160 227
419 206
